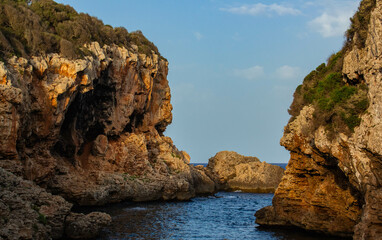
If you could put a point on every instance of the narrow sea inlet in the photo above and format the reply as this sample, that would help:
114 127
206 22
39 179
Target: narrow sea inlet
227 215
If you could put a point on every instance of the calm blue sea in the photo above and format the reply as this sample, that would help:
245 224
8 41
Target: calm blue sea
283 165
227 215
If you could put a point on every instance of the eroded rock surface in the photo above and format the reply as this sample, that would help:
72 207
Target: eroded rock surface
80 226
29 212
333 184
91 130
88 128
232 171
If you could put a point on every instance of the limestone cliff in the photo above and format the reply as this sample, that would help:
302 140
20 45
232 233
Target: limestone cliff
82 119
333 180
232 171
91 129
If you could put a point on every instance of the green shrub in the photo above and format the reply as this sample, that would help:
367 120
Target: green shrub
42 218
362 104
342 94
359 25
337 104
351 120
335 62
44 26
144 45
321 68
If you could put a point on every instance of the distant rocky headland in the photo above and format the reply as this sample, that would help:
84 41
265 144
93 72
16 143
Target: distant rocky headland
232 171
333 181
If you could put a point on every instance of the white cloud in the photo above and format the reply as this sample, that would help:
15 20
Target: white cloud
260 8
251 73
334 20
288 72
198 35
331 25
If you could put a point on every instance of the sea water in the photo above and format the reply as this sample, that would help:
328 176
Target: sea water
227 215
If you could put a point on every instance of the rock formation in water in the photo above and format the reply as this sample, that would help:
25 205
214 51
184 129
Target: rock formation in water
232 171
332 183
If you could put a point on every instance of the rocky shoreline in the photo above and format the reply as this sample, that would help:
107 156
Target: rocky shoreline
332 183
87 128
91 131
98 138
28 211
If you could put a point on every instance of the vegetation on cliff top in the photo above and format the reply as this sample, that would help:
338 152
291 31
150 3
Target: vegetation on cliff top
338 102
357 33
44 26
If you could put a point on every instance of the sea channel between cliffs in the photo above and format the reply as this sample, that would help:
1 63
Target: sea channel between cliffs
83 152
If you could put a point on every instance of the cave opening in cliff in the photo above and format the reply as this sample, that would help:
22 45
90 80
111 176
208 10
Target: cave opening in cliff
86 117
65 146
360 79
136 120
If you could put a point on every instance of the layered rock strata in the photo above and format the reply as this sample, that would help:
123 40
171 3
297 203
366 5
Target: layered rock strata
91 129
333 184
232 171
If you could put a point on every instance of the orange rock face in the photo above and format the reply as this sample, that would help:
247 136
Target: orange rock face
333 184
315 192
92 129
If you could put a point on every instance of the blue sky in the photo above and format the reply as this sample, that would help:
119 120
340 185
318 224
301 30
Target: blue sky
234 65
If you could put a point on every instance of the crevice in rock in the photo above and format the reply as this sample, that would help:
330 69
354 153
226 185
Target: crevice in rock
136 120
376 163
341 179
86 118
65 146
160 127
354 81
331 164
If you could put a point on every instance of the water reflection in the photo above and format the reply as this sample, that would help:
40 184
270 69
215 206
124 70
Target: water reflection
144 221
226 216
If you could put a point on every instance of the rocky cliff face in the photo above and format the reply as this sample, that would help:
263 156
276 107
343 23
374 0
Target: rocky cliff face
29 212
333 183
232 171
92 129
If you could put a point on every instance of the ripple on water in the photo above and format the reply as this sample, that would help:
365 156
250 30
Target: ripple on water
226 216
130 209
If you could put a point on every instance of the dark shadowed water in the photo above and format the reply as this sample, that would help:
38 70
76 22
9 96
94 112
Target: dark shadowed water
225 216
